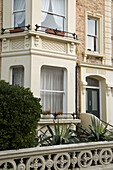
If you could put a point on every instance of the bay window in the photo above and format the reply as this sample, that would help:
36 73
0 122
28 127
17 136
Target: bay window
92 35
53 89
54 14
19 13
17 76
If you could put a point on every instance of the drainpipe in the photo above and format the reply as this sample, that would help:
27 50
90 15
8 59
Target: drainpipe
76 91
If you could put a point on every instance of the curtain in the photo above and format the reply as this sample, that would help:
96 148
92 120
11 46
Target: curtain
19 17
45 7
58 7
52 80
18 76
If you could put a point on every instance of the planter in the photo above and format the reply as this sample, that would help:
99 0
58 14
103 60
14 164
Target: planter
16 30
60 33
50 31
46 114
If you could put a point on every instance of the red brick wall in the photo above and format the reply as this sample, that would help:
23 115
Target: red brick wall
112 26
82 6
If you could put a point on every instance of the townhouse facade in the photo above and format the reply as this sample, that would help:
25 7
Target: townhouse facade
69 73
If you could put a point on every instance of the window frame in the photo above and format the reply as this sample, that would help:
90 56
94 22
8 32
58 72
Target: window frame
99 18
59 15
16 11
94 36
11 74
57 91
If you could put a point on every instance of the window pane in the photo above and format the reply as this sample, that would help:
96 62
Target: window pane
52 102
91 27
19 5
52 79
53 21
18 76
90 43
19 19
52 89
94 101
92 82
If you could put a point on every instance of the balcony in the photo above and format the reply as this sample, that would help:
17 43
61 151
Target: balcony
60 42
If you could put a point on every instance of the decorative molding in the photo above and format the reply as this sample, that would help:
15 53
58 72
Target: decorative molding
83 84
108 89
27 42
5 45
36 42
72 47
53 45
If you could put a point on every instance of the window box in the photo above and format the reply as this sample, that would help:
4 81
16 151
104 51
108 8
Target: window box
60 33
50 31
16 30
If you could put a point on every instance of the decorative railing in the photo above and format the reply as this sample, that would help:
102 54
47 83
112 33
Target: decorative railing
94 155
39 29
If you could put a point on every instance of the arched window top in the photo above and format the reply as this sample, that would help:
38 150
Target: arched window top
92 82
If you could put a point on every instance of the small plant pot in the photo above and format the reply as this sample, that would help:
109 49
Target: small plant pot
50 31
60 33
46 114
16 30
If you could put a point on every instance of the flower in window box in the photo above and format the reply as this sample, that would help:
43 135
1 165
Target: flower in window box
60 112
46 113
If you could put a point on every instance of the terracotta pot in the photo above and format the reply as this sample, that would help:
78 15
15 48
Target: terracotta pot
60 33
49 31
16 30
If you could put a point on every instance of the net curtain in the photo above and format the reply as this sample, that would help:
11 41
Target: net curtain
19 16
56 7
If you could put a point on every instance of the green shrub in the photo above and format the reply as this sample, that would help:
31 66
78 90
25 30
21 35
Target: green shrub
19 115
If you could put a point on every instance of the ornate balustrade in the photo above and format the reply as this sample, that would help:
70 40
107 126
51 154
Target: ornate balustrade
38 41
94 155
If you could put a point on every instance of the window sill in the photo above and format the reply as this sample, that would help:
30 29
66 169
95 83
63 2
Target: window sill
94 54
61 121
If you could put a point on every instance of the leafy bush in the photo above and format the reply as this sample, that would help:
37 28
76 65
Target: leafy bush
19 115
96 132
56 136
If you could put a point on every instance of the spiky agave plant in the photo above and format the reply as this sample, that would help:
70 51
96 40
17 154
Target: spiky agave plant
56 136
97 131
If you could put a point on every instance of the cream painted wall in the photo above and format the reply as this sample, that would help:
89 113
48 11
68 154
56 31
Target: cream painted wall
38 61
106 81
8 62
32 71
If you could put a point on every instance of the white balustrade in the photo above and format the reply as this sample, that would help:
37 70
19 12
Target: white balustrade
92 155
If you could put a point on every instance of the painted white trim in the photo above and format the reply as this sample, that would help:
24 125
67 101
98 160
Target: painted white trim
52 91
100 32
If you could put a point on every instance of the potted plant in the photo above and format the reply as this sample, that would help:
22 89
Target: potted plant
46 114
16 30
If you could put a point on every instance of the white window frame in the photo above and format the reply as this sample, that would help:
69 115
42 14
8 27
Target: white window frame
98 17
11 73
63 16
15 11
57 91
95 37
